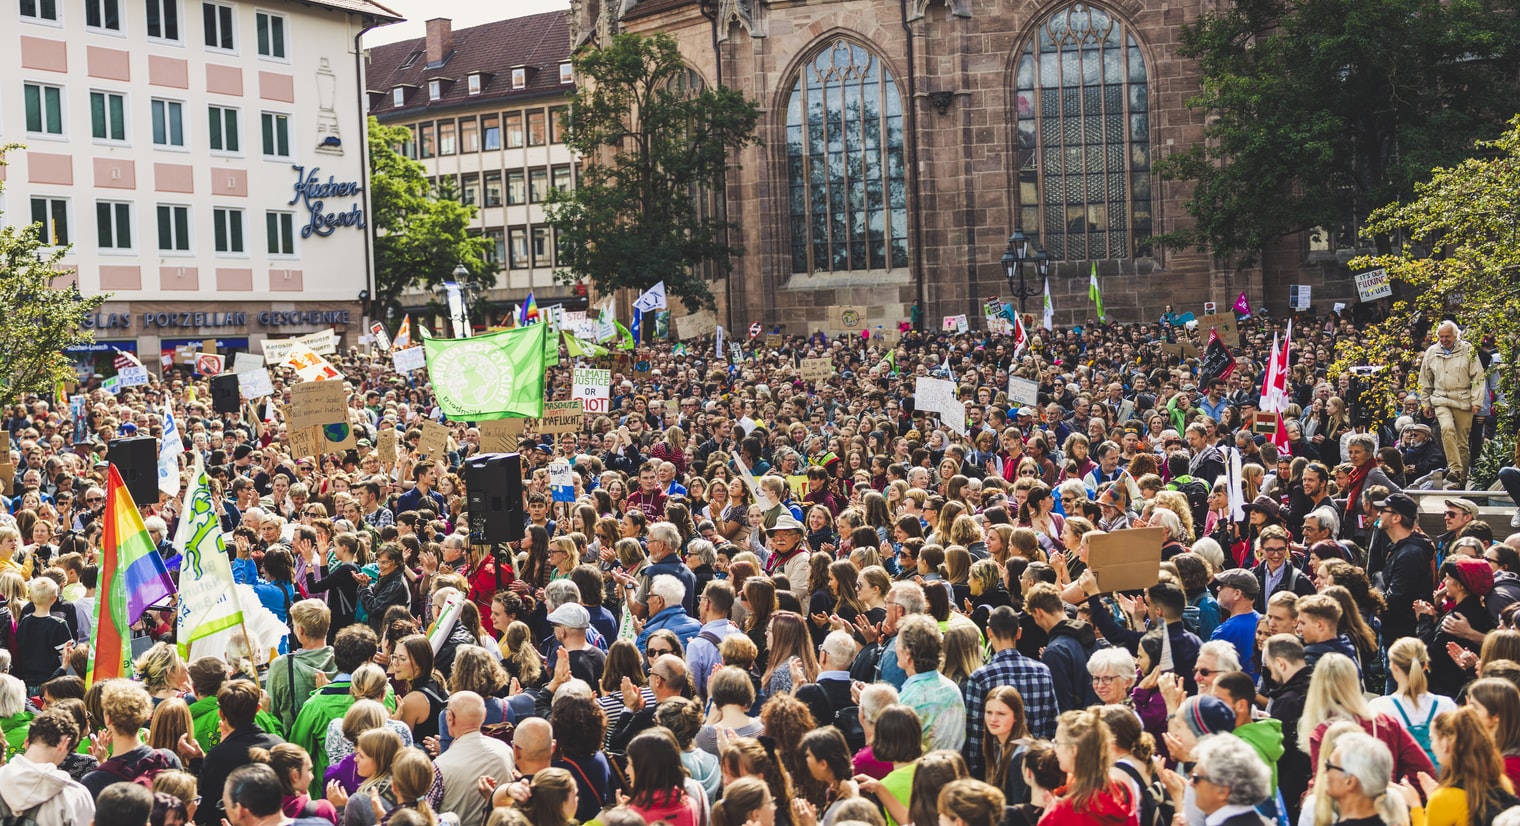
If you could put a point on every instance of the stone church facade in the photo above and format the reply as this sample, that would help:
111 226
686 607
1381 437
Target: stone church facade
905 140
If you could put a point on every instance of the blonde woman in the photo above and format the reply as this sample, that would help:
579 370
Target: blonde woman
162 672
368 688
1411 704
564 555
374 754
1335 694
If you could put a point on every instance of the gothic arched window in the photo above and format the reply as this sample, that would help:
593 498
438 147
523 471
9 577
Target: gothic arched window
846 178
1084 138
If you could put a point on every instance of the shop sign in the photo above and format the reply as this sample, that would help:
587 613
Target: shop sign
314 194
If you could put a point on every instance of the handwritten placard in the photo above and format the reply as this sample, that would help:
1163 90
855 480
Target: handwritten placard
435 439
773 341
561 417
385 446
1224 323
503 435
305 442
933 395
255 384
698 324
409 359
322 342
317 403
1023 392
817 369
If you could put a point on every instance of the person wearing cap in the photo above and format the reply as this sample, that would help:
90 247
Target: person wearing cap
1275 572
1407 574
1458 514
1452 385
570 622
1422 454
789 554
1237 599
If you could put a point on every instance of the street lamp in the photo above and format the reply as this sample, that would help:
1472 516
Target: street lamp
1021 250
468 292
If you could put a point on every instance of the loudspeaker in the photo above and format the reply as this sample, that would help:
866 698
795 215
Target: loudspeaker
225 395
494 493
136 459
1361 413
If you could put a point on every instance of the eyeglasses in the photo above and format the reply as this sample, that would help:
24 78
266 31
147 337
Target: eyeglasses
1275 549
1105 679
1332 767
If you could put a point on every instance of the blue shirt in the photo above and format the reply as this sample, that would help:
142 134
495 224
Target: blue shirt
1240 631
1032 679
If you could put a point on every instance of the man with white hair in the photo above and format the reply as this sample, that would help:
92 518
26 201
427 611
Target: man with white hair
1451 383
666 595
470 756
831 691
665 560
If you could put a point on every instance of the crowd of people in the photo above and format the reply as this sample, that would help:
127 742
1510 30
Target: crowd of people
776 601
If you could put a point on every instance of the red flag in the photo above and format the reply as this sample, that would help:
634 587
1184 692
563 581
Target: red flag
1218 363
1242 304
1020 335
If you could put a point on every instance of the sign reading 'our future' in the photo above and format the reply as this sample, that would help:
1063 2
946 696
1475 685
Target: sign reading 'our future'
314 195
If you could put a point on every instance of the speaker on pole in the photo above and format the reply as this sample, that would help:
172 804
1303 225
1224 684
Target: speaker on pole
225 395
494 492
136 459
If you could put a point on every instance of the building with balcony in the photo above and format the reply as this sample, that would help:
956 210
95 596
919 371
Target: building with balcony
203 161
484 106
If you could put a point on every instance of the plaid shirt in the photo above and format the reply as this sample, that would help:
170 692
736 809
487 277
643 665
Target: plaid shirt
1031 678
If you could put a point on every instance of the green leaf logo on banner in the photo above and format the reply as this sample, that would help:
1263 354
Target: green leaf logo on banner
494 376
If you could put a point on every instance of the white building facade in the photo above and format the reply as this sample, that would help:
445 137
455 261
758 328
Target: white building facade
204 161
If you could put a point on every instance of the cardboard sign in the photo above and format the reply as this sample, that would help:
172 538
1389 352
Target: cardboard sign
7 472
315 403
305 442
773 341
322 342
1127 560
1023 392
851 317
561 417
561 481
385 446
1224 323
1182 349
435 439
698 324
817 369
334 438
1373 284
591 387
409 359
255 384
934 395
209 364
503 435
1265 423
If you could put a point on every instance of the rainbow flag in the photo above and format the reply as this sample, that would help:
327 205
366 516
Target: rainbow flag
132 577
530 310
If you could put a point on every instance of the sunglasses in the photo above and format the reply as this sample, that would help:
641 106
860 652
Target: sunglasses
658 652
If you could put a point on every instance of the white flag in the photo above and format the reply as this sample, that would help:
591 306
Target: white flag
1049 320
1237 496
169 449
208 602
652 299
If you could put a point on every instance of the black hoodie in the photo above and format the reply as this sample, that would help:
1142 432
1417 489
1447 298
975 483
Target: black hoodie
1072 643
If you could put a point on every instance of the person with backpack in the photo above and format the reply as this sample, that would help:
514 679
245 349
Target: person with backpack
715 610
33 790
126 707
828 697
1411 704
237 705
292 677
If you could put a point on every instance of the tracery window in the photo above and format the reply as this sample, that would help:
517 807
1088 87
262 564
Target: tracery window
1084 138
845 171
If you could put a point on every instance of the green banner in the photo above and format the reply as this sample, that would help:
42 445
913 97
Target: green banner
492 376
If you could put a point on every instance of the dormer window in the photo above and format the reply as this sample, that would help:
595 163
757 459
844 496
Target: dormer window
566 73
519 77
435 89
474 83
398 96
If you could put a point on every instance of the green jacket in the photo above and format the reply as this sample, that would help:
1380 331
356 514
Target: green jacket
325 705
278 681
204 717
15 728
1266 736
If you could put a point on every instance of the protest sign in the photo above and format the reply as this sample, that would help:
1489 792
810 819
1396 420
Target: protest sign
209 364
933 395
385 446
561 417
1126 560
315 403
133 376
1023 392
953 415
381 338
503 435
310 366
698 324
255 384
773 341
591 387
111 385
1223 322
246 363
1298 296
1373 284
322 342
817 369
561 482
409 359
956 324
435 439
851 317
7 472
305 442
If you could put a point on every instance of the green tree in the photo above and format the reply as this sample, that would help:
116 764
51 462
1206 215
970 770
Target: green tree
650 148
1469 215
421 232
1323 110
39 320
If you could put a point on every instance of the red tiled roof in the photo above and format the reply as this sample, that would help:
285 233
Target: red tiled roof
540 42
367 8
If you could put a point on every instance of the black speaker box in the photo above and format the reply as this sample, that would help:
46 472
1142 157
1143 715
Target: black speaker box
136 459
493 483
225 395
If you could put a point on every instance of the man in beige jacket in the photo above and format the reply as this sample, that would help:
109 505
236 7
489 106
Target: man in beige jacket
1451 381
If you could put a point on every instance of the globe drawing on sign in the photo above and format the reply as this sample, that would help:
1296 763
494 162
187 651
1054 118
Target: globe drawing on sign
335 432
476 376
851 318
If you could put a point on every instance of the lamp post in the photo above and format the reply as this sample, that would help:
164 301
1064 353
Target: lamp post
1019 252
468 293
